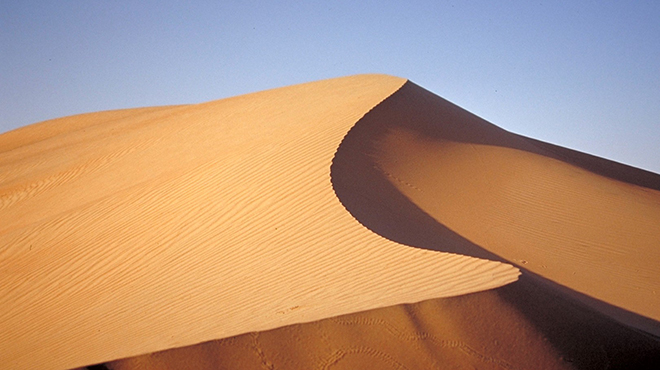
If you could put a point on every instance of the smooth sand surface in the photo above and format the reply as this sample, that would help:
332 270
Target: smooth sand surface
128 232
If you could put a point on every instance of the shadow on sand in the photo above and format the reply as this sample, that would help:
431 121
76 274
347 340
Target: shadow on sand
585 337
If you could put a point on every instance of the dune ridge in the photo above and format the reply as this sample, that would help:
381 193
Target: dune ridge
129 232
578 221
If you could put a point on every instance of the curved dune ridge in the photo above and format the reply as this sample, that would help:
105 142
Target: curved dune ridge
129 232
588 226
422 172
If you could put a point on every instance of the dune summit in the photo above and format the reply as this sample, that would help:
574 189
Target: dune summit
323 225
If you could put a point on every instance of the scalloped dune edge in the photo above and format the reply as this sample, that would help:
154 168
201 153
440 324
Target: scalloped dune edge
129 232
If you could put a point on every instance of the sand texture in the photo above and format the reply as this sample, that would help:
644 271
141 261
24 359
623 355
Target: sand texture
423 172
519 326
128 232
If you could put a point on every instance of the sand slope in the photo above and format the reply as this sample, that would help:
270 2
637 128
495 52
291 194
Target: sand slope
128 232
588 226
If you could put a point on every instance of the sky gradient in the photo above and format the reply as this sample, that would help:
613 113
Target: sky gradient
581 74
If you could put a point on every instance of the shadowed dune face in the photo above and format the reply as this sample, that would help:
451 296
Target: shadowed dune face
435 334
417 162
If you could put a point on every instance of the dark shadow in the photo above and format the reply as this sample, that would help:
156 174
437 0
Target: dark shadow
584 337
576 330
97 367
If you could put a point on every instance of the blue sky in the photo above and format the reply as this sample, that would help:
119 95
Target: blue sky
581 74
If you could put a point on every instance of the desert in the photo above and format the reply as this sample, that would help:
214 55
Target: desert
360 222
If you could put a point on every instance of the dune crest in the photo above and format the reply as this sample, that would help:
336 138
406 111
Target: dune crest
587 225
128 232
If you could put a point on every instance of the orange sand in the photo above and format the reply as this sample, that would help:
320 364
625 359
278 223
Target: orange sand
284 221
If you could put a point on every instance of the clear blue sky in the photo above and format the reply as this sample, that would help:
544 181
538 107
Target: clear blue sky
581 74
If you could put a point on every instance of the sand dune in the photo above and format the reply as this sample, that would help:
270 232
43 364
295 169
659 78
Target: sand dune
360 222
425 173
128 232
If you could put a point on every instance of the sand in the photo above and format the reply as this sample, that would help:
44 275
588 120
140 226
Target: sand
583 228
360 222
519 326
130 232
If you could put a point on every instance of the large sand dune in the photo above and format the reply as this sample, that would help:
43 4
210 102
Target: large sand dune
302 224
135 231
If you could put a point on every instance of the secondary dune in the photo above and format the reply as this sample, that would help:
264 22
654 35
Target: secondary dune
129 232
522 326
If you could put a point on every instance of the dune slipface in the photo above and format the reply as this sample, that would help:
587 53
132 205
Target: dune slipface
128 232
588 226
